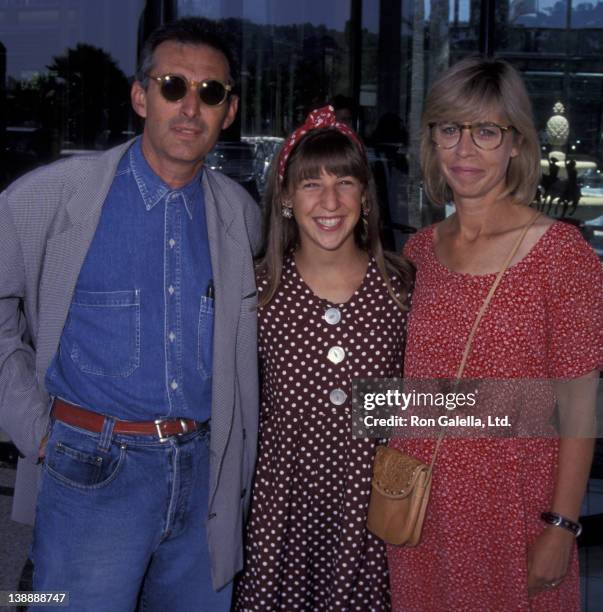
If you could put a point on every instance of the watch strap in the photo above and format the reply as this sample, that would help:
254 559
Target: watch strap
557 520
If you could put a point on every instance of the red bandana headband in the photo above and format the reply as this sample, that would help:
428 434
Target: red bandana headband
320 118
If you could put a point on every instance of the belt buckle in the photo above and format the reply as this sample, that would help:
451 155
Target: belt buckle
163 438
158 423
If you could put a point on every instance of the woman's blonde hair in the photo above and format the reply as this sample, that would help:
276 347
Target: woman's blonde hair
468 91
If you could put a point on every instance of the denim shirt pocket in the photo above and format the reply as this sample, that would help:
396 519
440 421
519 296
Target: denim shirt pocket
103 332
205 337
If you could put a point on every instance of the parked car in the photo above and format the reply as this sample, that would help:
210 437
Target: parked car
236 160
265 150
592 183
25 148
593 232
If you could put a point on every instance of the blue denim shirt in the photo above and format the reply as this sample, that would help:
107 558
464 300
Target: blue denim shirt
137 343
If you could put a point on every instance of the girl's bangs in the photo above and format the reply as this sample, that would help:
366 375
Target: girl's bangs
332 151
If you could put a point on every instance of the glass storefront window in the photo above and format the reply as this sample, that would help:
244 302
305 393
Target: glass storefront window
68 65
558 47
66 71
293 57
297 56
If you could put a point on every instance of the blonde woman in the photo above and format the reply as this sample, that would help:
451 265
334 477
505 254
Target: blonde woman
488 542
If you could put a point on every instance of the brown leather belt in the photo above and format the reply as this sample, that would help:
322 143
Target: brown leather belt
93 421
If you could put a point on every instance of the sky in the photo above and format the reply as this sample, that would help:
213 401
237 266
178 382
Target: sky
332 13
33 31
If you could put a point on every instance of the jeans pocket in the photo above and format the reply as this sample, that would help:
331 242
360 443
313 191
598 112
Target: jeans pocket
103 332
74 460
205 341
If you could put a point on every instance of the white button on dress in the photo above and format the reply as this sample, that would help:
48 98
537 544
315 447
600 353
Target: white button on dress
338 397
336 354
332 316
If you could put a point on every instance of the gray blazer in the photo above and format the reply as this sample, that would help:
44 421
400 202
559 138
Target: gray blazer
47 222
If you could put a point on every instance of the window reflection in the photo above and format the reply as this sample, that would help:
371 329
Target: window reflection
69 63
556 14
557 45
67 70
539 14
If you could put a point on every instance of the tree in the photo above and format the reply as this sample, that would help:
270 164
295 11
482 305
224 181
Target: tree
94 95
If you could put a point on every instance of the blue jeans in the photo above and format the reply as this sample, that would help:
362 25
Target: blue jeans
120 522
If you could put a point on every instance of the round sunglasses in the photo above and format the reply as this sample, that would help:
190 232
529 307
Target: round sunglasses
173 88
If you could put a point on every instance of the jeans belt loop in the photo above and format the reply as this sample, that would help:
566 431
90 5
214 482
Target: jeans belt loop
106 435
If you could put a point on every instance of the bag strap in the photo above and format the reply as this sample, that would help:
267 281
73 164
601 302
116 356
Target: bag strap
478 318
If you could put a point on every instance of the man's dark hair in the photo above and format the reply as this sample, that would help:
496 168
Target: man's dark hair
189 31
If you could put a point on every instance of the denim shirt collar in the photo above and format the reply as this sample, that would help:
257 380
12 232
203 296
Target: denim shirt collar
153 189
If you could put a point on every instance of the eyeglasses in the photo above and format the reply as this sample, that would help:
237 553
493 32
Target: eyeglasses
173 88
486 136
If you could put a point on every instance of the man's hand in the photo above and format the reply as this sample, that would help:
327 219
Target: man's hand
42 450
548 559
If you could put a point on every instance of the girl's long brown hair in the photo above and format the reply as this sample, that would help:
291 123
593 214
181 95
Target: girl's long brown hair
334 152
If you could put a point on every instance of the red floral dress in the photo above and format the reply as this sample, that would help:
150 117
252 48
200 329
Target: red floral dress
545 321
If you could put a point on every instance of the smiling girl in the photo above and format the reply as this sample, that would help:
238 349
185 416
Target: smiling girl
330 309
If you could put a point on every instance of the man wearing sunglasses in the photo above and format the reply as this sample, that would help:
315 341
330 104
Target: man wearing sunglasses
128 346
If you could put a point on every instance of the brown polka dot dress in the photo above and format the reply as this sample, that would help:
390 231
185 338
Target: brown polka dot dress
307 546
545 321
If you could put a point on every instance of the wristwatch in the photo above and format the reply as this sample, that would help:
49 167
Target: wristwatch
552 518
